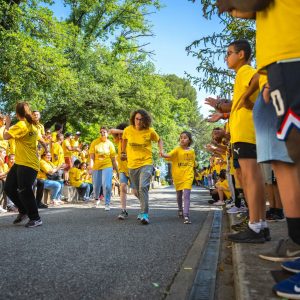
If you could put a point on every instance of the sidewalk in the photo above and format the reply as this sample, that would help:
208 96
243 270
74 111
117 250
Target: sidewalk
252 277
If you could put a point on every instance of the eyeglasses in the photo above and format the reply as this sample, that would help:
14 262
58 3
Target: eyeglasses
228 53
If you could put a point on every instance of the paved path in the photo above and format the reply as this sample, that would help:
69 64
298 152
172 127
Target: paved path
82 252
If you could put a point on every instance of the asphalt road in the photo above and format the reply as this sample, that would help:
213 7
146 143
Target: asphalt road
82 252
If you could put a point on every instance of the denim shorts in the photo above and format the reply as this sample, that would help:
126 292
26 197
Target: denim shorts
267 145
123 178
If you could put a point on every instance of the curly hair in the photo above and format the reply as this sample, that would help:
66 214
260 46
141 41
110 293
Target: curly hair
146 118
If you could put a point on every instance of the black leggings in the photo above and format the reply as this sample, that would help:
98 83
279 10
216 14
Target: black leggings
18 187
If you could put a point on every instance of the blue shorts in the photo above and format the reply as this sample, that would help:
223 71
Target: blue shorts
268 146
124 178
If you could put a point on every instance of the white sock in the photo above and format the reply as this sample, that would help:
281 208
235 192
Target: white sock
256 226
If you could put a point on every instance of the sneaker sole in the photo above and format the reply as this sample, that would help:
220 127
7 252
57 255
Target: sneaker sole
144 222
288 296
290 270
277 259
40 224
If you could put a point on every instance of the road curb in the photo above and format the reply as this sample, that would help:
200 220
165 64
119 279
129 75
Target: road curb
184 280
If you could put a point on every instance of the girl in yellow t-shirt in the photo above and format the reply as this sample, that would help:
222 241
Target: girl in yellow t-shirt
21 177
183 165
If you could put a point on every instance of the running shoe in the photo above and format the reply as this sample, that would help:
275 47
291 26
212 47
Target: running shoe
20 217
289 288
236 210
34 223
285 250
123 215
139 216
292 266
247 236
145 219
187 220
107 207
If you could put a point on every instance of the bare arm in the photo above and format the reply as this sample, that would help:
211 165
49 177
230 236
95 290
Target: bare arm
160 146
242 5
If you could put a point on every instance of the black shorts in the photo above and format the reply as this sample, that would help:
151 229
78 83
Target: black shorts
243 150
284 80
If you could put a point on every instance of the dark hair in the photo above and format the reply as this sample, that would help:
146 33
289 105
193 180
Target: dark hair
81 164
189 135
67 134
104 127
45 153
57 126
242 45
223 174
23 110
77 162
146 122
122 126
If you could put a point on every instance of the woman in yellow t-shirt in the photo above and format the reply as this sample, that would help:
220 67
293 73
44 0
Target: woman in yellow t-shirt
86 177
21 177
137 142
102 161
183 165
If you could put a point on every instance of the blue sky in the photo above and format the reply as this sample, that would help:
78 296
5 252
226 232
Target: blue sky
175 26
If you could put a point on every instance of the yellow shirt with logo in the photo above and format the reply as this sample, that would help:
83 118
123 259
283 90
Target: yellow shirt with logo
26 136
45 167
66 143
278 32
3 143
241 120
84 156
104 152
75 177
139 146
183 164
58 152
75 143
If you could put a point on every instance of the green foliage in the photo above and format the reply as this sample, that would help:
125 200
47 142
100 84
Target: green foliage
210 50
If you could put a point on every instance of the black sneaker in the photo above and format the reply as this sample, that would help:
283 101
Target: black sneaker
247 236
42 205
20 217
34 223
123 215
267 234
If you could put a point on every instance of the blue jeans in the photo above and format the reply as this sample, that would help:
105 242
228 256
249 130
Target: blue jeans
54 187
140 179
86 187
103 178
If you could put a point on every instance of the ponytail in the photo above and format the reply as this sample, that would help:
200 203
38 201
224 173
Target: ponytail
23 110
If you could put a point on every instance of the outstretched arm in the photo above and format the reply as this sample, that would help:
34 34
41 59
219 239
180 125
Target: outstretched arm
242 5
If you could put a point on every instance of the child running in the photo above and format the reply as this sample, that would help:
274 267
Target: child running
183 166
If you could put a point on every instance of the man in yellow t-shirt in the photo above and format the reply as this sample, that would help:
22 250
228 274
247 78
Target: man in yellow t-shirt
137 148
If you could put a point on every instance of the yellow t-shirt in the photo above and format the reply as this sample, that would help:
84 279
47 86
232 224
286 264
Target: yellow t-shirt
241 121
57 150
26 136
183 163
67 152
45 167
87 177
11 146
84 156
75 177
278 32
104 152
122 164
139 146
75 143
263 79
224 184
53 137
3 143
3 167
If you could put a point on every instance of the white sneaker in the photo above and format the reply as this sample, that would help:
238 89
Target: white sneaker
219 203
2 210
233 210
106 208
